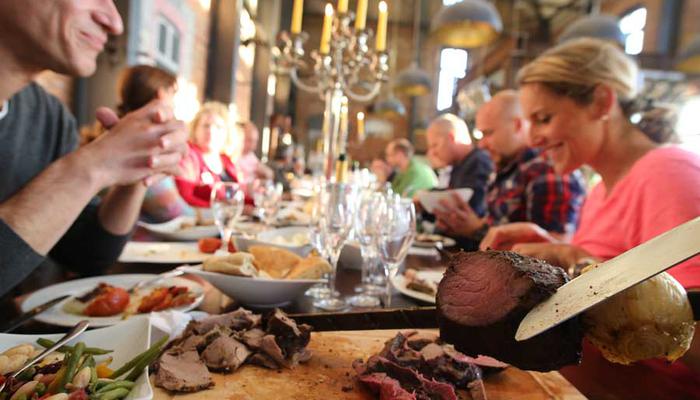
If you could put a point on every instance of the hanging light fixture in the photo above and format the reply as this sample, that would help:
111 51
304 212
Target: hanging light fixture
413 81
390 107
689 60
598 26
467 24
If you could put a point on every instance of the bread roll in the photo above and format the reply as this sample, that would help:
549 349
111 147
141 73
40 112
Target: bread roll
240 264
273 260
311 267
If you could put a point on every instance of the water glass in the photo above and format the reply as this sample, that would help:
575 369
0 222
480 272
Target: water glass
227 202
397 232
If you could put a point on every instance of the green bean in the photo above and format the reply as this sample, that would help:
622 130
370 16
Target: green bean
63 349
114 394
27 374
148 357
102 383
115 385
71 366
22 396
136 360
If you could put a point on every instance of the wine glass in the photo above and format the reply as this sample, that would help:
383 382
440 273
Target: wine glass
366 233
267 197
227 201
316 239
397 230
335 223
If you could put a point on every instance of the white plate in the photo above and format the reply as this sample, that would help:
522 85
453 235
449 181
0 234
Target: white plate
57 316
173 230
399 281
431 199
446 242
127 339
162 253
260 292
267 238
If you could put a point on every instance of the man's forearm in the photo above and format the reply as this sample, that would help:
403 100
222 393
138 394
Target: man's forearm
42 211
120 208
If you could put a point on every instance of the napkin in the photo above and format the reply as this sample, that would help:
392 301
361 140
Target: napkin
424 252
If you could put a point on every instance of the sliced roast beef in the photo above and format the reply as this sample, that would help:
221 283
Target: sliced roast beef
182 371
225 353
237 320
484 296
252 338
410 380
386 387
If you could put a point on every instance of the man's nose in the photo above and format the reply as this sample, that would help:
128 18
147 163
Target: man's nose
108 17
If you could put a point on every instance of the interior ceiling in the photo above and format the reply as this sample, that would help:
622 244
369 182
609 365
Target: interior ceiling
399 10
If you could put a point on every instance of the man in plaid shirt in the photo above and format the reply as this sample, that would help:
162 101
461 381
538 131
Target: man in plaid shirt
525 189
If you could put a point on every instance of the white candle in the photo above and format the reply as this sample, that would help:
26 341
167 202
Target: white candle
360 127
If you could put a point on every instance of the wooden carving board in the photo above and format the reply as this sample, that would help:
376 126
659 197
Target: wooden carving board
329 375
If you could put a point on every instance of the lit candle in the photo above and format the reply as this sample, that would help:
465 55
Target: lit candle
342 6
343 124
381 27
361 19
360 127
326 32
297 12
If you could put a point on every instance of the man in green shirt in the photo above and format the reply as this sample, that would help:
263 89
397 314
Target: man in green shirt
410 174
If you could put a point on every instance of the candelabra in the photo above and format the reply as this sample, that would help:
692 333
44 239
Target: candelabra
344 68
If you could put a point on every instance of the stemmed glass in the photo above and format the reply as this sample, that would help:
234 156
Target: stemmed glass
267 197
335 223
316 239
227 202
397 230
366 233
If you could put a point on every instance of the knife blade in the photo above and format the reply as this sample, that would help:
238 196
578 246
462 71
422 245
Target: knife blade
613 276
413 318
17 322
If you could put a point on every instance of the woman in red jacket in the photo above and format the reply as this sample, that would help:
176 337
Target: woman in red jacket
208 161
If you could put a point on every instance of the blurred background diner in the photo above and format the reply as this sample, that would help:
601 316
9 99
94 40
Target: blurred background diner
356 146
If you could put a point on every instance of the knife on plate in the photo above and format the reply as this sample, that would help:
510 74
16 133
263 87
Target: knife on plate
606 280
17 322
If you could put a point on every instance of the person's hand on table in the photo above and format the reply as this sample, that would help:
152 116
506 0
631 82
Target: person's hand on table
454 217
503 237
563 255
140 146
381 169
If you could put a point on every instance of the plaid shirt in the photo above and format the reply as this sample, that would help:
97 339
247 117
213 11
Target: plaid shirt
529 190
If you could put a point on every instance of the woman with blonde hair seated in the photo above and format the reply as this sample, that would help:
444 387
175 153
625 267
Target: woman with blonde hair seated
209 160
581 98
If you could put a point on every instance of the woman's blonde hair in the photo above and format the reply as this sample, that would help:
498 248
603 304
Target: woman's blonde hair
574 69
221 110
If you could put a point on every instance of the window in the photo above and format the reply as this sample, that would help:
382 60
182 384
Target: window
168 49
632 26
449 2
453 66
688 122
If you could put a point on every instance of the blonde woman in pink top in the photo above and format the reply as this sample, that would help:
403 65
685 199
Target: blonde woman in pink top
580 98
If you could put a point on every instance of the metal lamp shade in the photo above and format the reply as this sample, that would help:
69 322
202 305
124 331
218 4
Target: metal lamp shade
390 107
470 23
596 26
413 82
689 61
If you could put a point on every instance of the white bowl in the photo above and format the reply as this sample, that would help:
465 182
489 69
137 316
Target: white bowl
127 339
267 238
256 292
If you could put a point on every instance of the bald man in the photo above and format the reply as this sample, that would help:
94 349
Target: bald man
526 188
449 144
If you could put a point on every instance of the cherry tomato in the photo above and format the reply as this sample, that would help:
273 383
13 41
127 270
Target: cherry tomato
112 301
209 245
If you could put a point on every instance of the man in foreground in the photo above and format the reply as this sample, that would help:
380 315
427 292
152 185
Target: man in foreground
47 190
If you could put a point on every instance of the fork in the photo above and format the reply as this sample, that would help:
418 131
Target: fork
170 274
75 331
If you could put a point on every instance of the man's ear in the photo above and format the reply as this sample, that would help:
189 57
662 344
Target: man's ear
604 99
